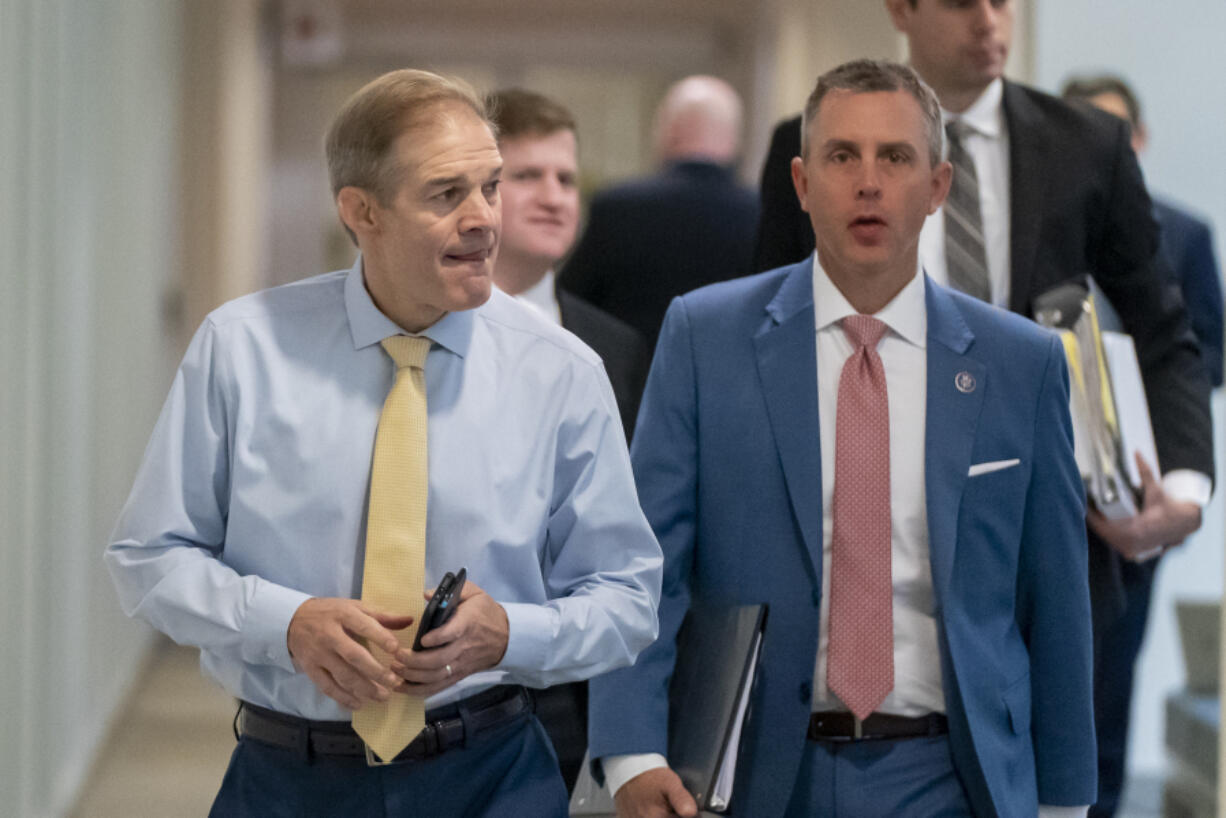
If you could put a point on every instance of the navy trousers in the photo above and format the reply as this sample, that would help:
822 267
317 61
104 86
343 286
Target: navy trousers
510 771
878 779
1114 668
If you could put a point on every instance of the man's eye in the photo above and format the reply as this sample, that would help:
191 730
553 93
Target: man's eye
491 188
448 195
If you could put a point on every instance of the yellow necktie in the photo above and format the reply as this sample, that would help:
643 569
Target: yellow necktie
394 573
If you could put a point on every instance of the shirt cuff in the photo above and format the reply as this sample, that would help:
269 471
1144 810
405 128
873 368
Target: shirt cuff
530 629
1188 486
1062 812
620 769
266 627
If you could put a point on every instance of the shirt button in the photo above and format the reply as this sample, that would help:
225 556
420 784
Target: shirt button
806 693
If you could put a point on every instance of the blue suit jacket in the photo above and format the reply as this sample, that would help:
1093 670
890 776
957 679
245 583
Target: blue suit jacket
727 459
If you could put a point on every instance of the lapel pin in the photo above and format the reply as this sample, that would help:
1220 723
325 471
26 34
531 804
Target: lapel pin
965 382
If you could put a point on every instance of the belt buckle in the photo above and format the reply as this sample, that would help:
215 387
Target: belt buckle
372 760
857 727
429 735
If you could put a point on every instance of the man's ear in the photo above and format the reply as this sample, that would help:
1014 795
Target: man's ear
800 182
898 10
942 178
356 208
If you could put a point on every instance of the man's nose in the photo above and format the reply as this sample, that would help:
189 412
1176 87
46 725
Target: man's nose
985 15
478 212
868 186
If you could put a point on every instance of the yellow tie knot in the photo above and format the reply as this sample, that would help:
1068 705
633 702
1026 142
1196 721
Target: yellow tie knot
407 351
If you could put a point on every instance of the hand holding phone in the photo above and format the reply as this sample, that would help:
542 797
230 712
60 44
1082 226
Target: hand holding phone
442 605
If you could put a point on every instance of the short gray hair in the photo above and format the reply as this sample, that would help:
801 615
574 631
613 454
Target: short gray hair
868 76
359 142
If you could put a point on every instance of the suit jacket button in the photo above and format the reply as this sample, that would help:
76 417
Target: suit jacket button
806 693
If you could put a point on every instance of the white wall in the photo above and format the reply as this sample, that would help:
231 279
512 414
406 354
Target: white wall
1171 52
89 97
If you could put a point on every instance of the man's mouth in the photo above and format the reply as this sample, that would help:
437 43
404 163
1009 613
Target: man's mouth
867 229
475 255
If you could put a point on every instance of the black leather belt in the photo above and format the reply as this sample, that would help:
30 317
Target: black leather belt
839 725
446 727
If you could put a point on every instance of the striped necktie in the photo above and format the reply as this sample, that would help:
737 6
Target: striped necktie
965 257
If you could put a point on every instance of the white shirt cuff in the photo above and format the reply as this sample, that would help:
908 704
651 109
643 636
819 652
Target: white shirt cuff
1062 812
620 769
1188 486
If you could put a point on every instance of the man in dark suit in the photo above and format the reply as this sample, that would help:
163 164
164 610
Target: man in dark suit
1059 194
924 431
540 216
1187 246
689 225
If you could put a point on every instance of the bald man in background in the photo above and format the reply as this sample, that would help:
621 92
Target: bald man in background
688 225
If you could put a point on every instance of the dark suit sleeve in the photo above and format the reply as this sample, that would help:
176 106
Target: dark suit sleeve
628 708
1053 603
785 234
1138 282
1202 292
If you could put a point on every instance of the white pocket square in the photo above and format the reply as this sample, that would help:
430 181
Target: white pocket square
988 468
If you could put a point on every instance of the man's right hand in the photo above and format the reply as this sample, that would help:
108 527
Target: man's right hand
325 643
655 794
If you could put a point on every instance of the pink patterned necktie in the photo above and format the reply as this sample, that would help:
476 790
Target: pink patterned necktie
860 655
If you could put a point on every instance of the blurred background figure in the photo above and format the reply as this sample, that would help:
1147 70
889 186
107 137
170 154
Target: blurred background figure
688 225
1184 238
540 217
1186 242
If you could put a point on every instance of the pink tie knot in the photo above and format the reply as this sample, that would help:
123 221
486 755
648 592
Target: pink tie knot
863 330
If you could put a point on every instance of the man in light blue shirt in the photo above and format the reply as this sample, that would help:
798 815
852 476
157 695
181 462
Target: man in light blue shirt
244 531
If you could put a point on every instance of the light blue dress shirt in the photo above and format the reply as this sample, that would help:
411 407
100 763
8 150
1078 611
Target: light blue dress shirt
252 494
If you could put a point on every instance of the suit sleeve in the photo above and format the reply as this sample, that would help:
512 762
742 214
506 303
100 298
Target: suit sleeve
785 235
1138 283
628 710
1054 604
1202 292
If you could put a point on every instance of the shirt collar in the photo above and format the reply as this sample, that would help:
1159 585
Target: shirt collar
369 326
906 315
986 116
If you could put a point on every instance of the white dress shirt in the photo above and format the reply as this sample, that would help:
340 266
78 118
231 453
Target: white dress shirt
543 296
987 144
903 350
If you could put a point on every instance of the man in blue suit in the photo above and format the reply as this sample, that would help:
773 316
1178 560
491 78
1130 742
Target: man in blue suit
750 436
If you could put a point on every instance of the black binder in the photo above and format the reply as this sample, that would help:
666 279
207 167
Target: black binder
718 649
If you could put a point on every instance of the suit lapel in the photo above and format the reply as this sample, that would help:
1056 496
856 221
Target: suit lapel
956 383
786 352
1027 149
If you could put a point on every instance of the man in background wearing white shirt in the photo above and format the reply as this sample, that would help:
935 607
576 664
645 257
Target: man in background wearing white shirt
540 218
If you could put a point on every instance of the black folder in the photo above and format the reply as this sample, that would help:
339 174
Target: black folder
717 656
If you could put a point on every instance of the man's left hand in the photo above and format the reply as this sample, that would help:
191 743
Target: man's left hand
1162 521
473 640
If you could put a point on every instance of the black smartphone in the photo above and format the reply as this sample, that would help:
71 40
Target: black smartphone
442 605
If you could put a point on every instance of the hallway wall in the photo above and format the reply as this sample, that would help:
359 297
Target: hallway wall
89 94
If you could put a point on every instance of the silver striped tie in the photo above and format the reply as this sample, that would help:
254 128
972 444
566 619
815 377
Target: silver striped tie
965 258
